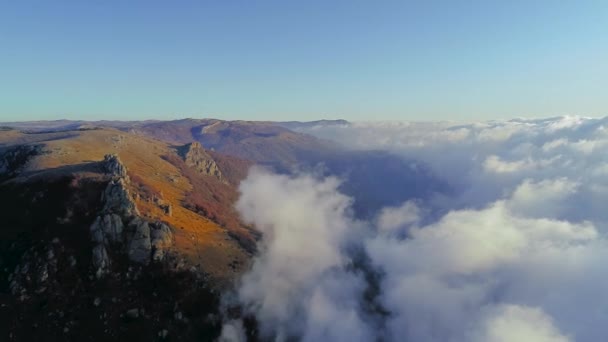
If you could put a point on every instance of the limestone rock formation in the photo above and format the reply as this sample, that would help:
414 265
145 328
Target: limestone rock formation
101 261
140 247
107 228
114 167
117 199
13 159
161 240
140 240
194 156
148 241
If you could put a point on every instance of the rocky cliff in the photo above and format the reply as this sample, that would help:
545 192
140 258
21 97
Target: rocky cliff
196 157
15 158
120 228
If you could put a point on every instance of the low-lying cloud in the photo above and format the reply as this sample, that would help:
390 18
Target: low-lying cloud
298 286
518 253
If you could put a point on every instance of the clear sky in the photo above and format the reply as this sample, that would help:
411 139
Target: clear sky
305 60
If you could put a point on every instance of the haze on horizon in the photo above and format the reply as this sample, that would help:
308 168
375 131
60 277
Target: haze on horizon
356 60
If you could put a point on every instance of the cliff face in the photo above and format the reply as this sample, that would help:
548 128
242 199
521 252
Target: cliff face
196 157
15 158
120 227
118 232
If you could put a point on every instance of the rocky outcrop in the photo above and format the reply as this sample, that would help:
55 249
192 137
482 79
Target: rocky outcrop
36 272
101 260
15 159
161 239
148 241
107 228
117 199
139 247
119 226
194 156
114 167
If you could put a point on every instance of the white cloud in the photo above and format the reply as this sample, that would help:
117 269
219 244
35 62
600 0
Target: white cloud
298 285
517 252
495 164
553 144
509 323
443 277
546 198
394 218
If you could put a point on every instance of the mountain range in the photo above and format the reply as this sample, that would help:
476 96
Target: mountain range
128 229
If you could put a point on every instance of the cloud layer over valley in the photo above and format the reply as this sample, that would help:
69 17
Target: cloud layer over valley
517 252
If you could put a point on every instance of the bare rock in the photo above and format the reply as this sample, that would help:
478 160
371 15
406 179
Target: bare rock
141 240
113 227
107 228
140 246
117 199
14 159
196 157
100 257
114 167
97 231
101 261
161 240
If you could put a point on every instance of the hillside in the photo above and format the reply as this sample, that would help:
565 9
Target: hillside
265 143
277 146
94 217
128 229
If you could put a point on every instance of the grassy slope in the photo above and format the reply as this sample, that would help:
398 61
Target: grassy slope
200 240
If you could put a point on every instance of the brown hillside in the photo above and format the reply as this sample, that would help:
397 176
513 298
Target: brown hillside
207 238
261 142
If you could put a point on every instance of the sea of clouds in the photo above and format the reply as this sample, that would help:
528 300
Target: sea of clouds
517 252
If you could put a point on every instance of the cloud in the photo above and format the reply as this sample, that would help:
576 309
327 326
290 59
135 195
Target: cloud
392 218
299 285
483 161
546 198
443 276
508 323
517 253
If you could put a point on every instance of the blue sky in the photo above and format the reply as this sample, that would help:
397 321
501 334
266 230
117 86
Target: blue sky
290 60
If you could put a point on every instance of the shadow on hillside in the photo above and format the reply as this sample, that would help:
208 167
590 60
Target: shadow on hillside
376 179
66 170
56 135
